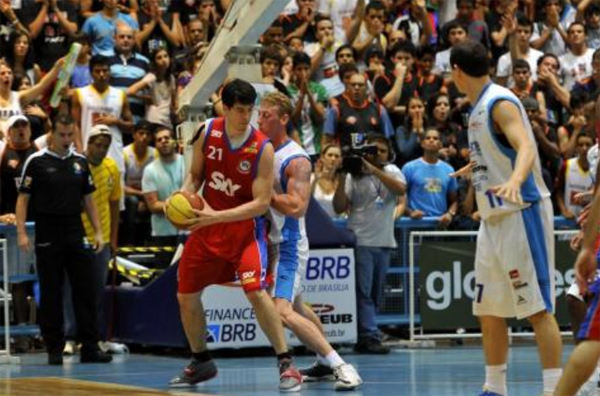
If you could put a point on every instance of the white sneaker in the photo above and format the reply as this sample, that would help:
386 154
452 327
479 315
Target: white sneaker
70 348
113 348
346 377
588 389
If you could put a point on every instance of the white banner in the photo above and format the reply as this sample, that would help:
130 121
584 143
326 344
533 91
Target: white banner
328 286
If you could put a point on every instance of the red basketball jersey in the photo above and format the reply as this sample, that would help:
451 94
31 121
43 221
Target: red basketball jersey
229 173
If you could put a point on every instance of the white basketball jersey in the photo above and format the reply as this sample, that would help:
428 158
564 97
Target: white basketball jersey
94 105
495 159
577 181
285 228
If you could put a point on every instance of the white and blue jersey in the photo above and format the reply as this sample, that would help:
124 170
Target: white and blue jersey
514 262
289 245
495 158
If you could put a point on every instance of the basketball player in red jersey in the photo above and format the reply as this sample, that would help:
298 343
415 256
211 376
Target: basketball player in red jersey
234 162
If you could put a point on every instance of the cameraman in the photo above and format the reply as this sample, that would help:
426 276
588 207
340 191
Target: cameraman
370 198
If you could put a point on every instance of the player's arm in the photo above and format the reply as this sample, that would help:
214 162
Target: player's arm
195 178
508 118
295 202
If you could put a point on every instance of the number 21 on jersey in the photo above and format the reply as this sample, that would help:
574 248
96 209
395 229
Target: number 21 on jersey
215 153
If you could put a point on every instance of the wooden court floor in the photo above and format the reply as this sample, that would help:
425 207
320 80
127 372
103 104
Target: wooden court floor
73 387
447 371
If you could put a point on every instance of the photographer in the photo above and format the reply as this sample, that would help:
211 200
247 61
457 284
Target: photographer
369 197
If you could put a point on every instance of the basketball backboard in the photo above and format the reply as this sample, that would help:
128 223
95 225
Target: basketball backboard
242 26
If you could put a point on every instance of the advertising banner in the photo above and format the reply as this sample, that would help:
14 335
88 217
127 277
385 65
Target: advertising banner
446 284
328 287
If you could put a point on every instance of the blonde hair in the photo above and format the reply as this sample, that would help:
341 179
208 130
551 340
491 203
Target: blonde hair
278 99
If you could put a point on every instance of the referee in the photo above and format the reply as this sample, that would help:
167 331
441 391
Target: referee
56 184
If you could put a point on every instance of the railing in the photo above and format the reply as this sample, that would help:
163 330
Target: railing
396 306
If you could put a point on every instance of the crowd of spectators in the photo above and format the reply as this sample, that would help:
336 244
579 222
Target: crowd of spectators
351 67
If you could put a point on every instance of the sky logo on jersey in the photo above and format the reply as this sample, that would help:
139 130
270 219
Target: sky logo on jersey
216 134
214 331
244 167
220 183
248 277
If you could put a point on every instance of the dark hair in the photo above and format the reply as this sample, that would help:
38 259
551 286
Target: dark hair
471 57
153 65
373 52
143 125
270 52
524 21
374 5
403 46
454 24
321 17
425 50
64 119
592 9
300 58
548 55
578 99
343 47
28 62
585 29
470 2
98 60
432 103
562 3
347 68
521 64
18 80
238 91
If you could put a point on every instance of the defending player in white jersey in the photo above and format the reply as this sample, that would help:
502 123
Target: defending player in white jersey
514 263
288 250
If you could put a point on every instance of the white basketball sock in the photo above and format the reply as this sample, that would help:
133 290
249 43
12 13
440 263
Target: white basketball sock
333 359
495 379
551 377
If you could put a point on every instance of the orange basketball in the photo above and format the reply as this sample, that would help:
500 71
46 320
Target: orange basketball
181 207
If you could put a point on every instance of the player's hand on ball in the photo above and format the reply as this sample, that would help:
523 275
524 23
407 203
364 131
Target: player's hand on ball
585 269
207 216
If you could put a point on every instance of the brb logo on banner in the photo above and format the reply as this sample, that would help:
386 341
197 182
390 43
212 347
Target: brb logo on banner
231 332
328 268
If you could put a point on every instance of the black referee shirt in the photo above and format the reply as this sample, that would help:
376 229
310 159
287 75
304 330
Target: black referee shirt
57 185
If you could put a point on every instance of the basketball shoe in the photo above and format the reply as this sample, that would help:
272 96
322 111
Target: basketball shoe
317 372
346 377
194 373
290 379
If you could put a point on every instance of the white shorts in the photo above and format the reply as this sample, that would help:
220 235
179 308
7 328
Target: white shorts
288 261
514 264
